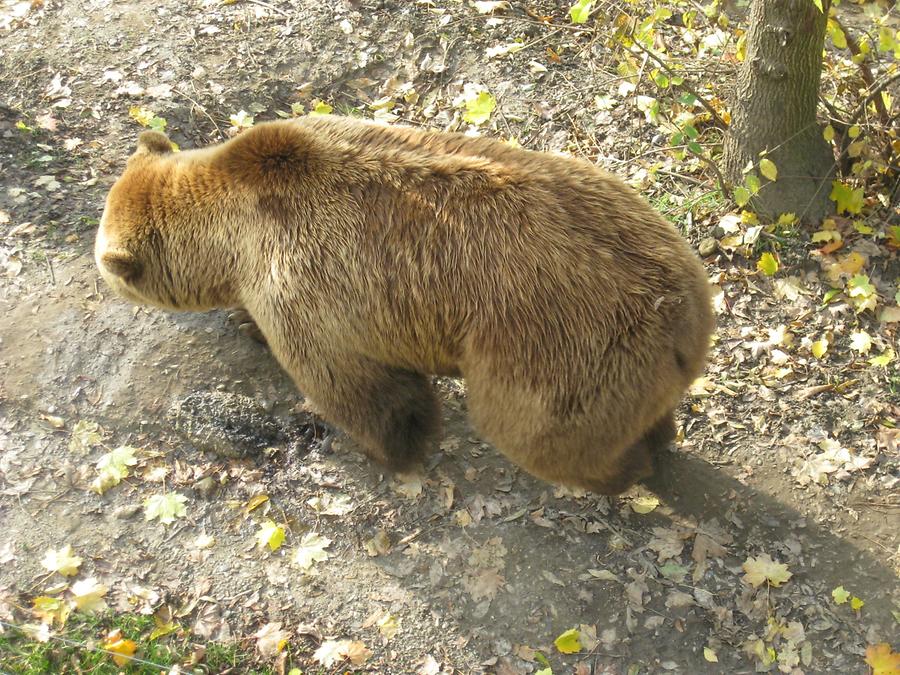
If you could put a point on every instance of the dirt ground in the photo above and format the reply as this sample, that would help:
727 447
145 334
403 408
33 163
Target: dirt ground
475 564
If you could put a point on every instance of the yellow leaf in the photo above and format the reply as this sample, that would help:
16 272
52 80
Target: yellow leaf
852 263
123 649
763 569
840 595
854 131
856 604
479 108
320 108
569 642
51 610
270 534
819 347
828 134
885 358
787 219
644 504
388 625
749 218
767 264
882 659
768 169
63 561
255 502
88 595
710 655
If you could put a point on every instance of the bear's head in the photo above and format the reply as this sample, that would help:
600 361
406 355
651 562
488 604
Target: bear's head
154 245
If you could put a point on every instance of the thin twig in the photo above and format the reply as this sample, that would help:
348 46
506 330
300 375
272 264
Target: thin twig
201 108
871 97
268 6
684 85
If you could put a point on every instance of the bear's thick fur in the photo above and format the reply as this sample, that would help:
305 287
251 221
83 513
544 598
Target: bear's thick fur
372 256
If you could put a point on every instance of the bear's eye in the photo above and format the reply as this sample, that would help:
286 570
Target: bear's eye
123 264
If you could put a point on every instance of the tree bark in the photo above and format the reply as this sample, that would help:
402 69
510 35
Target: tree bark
774 110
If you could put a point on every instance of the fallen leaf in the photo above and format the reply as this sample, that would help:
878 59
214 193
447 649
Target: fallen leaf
270 534
644 504
763 569
166 507
883 659
88 595
122 648
62 560
569 642
311 550
840 595
271 639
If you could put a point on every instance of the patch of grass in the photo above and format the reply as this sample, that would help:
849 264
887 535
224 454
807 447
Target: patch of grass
77 649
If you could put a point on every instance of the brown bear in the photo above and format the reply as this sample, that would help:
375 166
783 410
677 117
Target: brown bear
371 256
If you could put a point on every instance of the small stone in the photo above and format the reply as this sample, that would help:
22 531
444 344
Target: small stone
205 486
127 511
708 246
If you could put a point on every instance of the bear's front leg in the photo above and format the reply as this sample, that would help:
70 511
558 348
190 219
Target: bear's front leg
391 412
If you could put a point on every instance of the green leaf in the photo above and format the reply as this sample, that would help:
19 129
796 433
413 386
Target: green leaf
818 3
569 642
828 133
581 10
166 508
741 196
690 131
884 359
116 462
846 198
836 34
840 595
830 295
751 180
767 264
694 147
479 108
768 169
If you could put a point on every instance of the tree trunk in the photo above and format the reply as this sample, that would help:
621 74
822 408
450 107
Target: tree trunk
774 110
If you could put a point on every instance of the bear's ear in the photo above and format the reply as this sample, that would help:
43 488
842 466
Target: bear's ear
154 143
122 263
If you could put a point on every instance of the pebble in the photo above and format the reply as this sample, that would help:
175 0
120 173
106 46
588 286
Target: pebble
708 246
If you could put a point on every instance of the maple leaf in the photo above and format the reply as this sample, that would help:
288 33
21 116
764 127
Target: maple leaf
88 595
763 569
113 468
388 625
167 507
319 108
270 639
311 550
846 198
840 595
479 108
85 434
51 610
328 505
882 659
767 264
63 561
331 652
270 534
483 584
569 642
122 649
356 652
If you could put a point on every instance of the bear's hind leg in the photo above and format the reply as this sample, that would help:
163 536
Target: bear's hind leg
392 413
